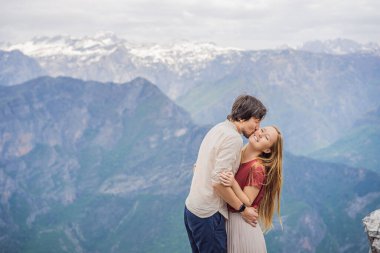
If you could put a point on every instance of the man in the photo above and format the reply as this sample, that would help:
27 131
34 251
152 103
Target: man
220 151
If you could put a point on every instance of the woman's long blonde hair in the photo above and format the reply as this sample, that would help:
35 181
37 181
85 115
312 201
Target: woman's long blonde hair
273 183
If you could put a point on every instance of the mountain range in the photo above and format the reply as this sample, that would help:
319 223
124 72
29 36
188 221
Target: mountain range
305 93
86 160
103 167
340 47
305 89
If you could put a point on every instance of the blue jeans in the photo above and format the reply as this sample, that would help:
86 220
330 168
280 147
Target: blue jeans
206 235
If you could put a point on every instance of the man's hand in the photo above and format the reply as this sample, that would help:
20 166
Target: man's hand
250 215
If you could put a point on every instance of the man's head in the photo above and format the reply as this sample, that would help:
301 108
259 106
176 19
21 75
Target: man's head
246 113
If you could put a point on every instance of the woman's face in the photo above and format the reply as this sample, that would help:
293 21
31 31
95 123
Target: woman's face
263 139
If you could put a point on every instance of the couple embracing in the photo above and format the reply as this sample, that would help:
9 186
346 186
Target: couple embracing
234 187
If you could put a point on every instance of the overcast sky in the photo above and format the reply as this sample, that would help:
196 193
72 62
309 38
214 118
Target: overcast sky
236 23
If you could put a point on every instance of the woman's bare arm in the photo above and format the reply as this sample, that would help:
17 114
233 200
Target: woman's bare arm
247 195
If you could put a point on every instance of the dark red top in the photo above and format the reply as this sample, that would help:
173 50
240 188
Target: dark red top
251 173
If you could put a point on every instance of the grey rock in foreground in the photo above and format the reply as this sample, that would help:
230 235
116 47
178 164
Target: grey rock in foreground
372 227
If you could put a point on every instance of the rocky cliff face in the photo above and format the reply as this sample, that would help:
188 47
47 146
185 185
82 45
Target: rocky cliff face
372 227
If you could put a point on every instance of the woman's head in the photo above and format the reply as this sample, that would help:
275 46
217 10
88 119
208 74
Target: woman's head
270 142
265 139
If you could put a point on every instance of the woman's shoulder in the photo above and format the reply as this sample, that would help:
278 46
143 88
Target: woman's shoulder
256 174
257 165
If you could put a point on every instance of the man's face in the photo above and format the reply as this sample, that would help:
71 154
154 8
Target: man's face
249 127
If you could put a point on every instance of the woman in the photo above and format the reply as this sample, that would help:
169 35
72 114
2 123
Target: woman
257 183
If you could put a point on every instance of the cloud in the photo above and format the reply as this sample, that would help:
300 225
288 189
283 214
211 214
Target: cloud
239 23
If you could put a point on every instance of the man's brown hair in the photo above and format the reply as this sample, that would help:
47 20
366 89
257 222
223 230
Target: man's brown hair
246 107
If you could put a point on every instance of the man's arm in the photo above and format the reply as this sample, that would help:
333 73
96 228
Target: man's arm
227 194
226 158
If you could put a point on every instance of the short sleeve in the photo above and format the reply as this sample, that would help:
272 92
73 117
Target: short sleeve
256 175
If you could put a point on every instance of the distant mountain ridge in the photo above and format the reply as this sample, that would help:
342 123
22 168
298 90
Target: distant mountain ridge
175 67
340 47
105 57
306 89
358 147
106 42
15 68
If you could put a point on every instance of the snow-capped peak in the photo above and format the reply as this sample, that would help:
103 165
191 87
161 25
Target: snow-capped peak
339 46
67 55
101 43
181 51
105 43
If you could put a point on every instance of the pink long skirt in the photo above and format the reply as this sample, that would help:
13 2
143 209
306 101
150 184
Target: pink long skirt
242 237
